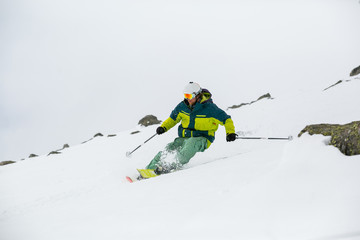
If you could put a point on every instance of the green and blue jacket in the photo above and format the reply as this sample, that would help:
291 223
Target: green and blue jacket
199 120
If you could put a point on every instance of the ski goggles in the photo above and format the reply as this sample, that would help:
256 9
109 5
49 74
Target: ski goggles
189 96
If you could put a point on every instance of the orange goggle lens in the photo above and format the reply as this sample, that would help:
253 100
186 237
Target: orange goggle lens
188 96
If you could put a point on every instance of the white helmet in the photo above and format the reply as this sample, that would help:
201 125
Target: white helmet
192 88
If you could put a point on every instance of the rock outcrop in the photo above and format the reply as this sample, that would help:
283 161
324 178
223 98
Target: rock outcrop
265 96
355 71
345 137
3 163
149 120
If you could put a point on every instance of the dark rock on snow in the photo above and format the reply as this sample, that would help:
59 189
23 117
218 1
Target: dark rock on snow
345 137
149 120
338 82
54 152
3 163
265 96
355 71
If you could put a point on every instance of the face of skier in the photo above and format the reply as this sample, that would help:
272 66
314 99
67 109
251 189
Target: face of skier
192 98
192 101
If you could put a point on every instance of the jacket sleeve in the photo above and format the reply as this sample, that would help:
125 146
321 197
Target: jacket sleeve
172 120
169 123
225 120
229 126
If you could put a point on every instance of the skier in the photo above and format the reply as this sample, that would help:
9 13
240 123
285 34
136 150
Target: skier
200 118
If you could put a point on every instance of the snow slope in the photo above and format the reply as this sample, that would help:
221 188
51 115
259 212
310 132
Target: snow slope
77 63
247 189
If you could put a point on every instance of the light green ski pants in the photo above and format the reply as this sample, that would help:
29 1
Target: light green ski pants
184 149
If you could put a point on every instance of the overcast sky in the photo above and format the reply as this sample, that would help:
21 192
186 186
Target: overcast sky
72 68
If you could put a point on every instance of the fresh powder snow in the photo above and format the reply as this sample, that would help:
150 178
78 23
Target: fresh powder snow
247 189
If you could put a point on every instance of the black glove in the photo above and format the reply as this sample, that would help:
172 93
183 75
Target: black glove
231 137
160 130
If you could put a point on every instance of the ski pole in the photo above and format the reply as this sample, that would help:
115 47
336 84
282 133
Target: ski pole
128 154
268 138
